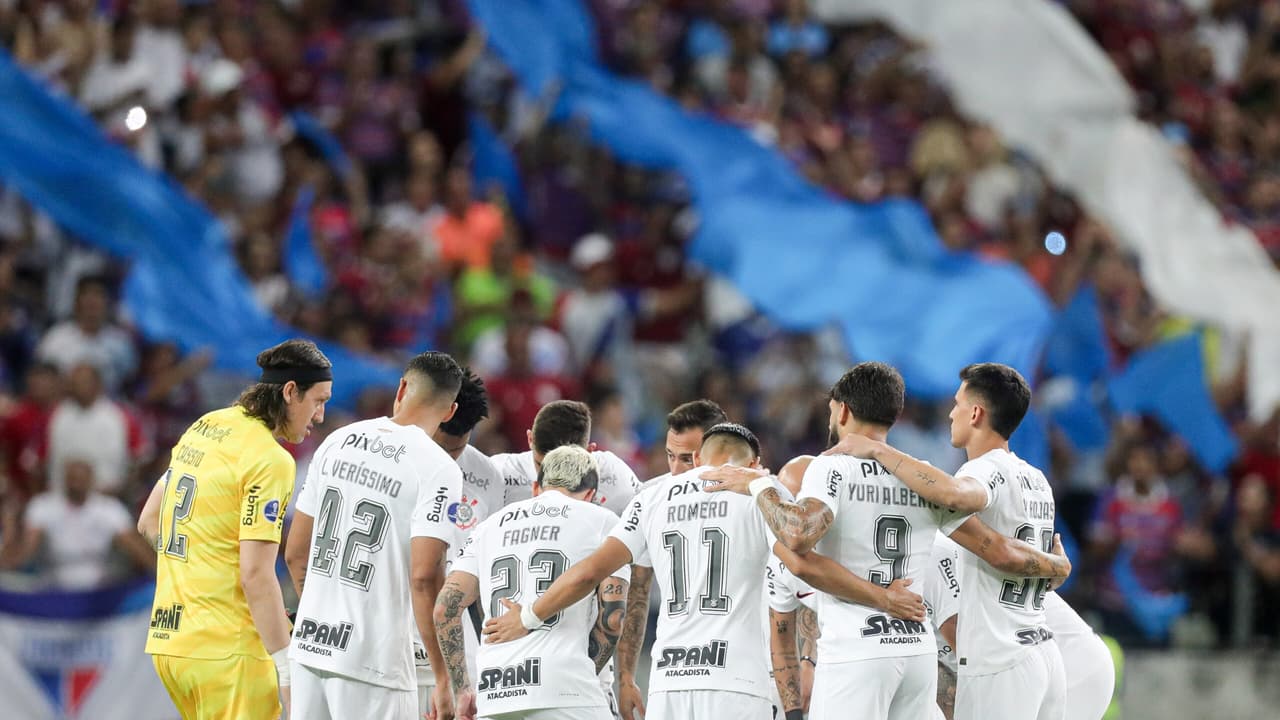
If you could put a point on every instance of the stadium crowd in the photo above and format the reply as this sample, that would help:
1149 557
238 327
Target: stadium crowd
581 288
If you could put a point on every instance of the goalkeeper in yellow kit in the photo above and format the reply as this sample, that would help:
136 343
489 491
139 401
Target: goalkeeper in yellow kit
219 622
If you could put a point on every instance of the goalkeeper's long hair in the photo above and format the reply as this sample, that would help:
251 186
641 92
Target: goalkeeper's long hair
265 401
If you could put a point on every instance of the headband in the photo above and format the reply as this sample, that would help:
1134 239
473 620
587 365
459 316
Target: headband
300 375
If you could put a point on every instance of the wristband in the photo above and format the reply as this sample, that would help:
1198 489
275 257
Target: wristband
796 714
759 485
281 659
528 619
811 661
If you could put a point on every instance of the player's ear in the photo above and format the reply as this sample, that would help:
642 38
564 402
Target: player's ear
590 495
289 392
844 414
449 415
529 436
537 488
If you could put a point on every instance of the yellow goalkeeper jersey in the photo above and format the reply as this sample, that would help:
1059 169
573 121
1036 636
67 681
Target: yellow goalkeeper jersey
228 480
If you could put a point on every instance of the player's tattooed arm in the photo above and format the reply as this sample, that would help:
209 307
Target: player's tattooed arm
807 633
1012 556
962 494
786 664
635 621
459 591
798 526
612 598
946 691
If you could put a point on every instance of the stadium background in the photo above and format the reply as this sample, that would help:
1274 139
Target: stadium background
640 202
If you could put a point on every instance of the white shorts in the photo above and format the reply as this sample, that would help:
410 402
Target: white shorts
319 695
697 704
899 688
1034 689
574 713
1091 676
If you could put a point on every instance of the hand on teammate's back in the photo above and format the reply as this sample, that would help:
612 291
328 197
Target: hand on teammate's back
732 479
902 603
507 627
1062 553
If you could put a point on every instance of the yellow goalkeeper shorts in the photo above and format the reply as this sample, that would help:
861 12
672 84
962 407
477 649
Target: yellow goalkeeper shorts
232 688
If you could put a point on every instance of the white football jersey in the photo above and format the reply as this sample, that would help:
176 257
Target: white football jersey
941 593
882 531
517 554
618 483
1001 616
709 552
787 593
482 494
371 487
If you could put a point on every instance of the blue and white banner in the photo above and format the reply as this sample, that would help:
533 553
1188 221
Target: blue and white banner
71 656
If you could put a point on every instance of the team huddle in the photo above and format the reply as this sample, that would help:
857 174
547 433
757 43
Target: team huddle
436 581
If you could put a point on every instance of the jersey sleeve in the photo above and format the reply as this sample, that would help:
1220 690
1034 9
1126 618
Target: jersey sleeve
468 560
436 493
942 587
985 472
623 573
264 493
781 597
630 529
822 481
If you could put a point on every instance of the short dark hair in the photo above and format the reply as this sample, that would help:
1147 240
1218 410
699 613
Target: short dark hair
700 414
443 372
873 392
264 401
560 423
473 405
1004 393
733 431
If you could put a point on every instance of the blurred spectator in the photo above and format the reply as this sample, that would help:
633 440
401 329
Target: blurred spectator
91 337
1141 517
89 426
518 394
548 351
119 76
261 263
166 392
78 529
1259 546
796 31
468 228
24 432
241 129
160 45
485 293
610 428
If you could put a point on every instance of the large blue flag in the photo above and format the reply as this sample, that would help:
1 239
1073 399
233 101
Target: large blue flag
1168 382
184 284
302 265
804 258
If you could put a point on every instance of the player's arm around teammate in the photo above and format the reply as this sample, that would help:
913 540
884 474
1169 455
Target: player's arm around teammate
611 596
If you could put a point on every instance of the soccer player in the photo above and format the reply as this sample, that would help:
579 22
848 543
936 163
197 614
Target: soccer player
219 622
1087 663
871 666
709 556
560 423
517 555
366 552
482 495
557 424
1009 666
685 426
